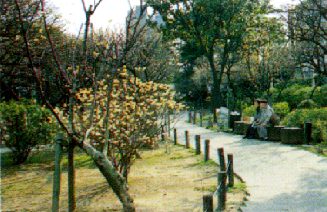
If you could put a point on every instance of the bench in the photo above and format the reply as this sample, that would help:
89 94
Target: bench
292 135
240 127
274 133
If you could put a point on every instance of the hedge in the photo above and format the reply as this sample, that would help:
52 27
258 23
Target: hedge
296 94
318 118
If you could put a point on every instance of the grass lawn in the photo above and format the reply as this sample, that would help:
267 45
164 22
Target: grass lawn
319 149
160 181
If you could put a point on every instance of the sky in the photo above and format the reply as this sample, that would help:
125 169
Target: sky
111 13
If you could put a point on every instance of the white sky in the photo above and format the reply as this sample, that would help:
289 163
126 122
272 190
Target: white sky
110 13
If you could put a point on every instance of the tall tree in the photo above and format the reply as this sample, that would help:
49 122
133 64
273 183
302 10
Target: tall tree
308 29
214 29
16 79
264 40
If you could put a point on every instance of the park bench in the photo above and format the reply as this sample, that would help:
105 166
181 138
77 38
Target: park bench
240 127
274 133
292 135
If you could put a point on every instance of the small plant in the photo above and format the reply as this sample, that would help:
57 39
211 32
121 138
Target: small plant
23 126
208 188
281 108
238 187
250 110
125 116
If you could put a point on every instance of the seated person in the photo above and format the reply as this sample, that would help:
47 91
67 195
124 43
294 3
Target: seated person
251 131
265 114
261 120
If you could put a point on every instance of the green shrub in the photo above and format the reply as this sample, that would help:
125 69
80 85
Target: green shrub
250 110
281 109
23 126
307 104
295 94
320 96
318 118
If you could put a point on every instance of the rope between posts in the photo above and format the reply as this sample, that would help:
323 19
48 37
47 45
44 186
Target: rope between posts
228 167
218 188
225 173
220 185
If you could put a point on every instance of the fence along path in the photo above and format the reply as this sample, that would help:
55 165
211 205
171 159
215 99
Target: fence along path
278 177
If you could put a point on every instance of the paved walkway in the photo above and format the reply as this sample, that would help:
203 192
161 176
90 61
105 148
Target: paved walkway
4 150
278 177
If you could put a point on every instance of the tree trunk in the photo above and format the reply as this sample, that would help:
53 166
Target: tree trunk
216 86
86 32
20 156
57 174
114 179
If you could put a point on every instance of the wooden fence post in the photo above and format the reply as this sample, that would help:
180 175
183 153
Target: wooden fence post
194 117
307 132
197 144
71 177
207 203
201 118
206 150
175 136
221 159
57 173
230 170
190 116
209 123
221 194
187 140
162 132
168 124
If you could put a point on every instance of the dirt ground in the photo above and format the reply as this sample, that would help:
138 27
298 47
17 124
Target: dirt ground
160 181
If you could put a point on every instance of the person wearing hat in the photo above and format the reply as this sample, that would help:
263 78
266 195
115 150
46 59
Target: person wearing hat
261 120
251 132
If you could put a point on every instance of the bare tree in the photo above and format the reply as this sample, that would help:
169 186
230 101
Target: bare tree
89 62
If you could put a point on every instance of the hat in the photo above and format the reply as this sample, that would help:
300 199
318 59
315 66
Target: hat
262 100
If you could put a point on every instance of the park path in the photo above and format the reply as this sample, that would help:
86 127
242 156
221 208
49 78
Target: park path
278 177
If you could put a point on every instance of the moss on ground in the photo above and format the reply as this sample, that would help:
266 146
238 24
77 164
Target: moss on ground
319 149
238 187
